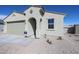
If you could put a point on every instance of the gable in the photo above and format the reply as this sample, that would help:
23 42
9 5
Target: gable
14 17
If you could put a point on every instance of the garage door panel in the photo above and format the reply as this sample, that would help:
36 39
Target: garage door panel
16 28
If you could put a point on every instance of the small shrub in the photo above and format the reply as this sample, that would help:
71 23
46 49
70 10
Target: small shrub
48 41
59 38
69 35
25 36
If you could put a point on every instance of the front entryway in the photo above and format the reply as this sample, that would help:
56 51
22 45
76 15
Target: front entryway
32 26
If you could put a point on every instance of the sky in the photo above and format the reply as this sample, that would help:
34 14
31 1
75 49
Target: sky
71 11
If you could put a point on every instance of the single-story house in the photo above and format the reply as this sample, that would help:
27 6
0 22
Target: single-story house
34 22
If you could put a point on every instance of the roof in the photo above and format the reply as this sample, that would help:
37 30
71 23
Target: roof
39 6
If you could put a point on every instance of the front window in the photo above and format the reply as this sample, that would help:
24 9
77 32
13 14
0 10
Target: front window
50 23
41 12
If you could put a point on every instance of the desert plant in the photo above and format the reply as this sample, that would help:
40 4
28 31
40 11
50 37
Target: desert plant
48 41
59 38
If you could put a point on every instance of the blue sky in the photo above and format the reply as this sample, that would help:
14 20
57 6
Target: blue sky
71 11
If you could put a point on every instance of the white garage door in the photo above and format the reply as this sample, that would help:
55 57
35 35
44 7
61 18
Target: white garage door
16 28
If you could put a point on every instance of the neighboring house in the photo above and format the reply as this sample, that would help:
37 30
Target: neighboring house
74 29
68 29
1 25
77 29
35 22
71 29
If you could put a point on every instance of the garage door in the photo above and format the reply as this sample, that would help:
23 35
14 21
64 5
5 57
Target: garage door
16 28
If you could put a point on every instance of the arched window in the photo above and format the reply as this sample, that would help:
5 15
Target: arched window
41 12
31 11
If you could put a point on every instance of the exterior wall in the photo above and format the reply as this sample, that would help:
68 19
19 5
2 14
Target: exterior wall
1 27
5 28
65 30
58 25
76 29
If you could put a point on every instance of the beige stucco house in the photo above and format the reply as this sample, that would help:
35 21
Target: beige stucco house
34 22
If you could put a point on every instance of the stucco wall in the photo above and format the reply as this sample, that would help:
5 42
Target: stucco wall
58 24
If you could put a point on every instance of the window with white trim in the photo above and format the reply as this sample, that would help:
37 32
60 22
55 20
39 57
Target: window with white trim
51 23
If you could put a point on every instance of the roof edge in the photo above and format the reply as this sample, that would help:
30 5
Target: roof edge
56 13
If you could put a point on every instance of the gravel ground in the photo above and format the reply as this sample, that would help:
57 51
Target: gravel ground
11 44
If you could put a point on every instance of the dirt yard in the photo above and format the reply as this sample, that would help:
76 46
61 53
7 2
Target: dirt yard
11 44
